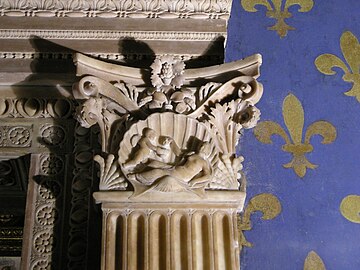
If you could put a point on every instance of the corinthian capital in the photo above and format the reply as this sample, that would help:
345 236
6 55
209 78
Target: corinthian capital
174 131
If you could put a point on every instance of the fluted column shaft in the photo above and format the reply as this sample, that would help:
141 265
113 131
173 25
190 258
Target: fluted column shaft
192 234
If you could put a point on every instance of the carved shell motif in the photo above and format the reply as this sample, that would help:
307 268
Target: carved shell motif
186 132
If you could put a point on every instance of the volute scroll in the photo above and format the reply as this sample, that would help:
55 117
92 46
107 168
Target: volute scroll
169 136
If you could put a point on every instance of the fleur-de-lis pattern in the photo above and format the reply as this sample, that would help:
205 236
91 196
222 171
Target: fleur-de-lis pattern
268 204
350 48
293 114
319 61
278 10
350 208
313 262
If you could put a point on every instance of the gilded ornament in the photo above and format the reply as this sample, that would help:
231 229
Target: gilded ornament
313 262
350 208
350 48
293 114
278 10
268 204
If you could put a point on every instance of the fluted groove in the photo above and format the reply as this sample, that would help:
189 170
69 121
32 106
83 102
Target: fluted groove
171 240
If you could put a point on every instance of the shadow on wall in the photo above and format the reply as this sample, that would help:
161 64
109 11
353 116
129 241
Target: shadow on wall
67 150
76 219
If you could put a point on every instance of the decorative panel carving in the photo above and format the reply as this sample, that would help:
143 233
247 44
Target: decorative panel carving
198 9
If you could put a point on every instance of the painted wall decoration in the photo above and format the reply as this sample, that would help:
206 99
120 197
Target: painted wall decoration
350 208
278 10
267 204
350 49
305 75
313 262
293 114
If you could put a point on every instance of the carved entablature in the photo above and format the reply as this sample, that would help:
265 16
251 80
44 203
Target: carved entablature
169 129
197 9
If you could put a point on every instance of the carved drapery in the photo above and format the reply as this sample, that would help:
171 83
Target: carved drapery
169 137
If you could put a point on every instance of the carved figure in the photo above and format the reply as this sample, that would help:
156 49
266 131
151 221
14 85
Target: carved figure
194 172
164 149
148 145
176 135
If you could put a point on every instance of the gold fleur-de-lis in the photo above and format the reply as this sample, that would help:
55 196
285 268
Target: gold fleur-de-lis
268 204
350 48
350 208
313 262
293 114
278 10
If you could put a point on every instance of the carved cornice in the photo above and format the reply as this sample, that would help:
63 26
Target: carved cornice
198 9
107 35
104 56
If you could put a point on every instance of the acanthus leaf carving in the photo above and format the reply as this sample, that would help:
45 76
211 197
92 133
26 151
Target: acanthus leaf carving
214 9
173 136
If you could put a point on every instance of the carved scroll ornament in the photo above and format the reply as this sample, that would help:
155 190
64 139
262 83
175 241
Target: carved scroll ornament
178 134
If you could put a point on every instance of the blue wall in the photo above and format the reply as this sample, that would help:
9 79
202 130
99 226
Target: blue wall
311 218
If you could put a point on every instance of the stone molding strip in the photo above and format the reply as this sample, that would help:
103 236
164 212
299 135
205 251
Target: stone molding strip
107 34
69 56
112 14
195 9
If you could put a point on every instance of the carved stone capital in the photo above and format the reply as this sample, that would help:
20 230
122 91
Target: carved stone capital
169 129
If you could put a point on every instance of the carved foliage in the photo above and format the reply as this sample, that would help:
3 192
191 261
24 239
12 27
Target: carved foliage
115 8
183 125
48 190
